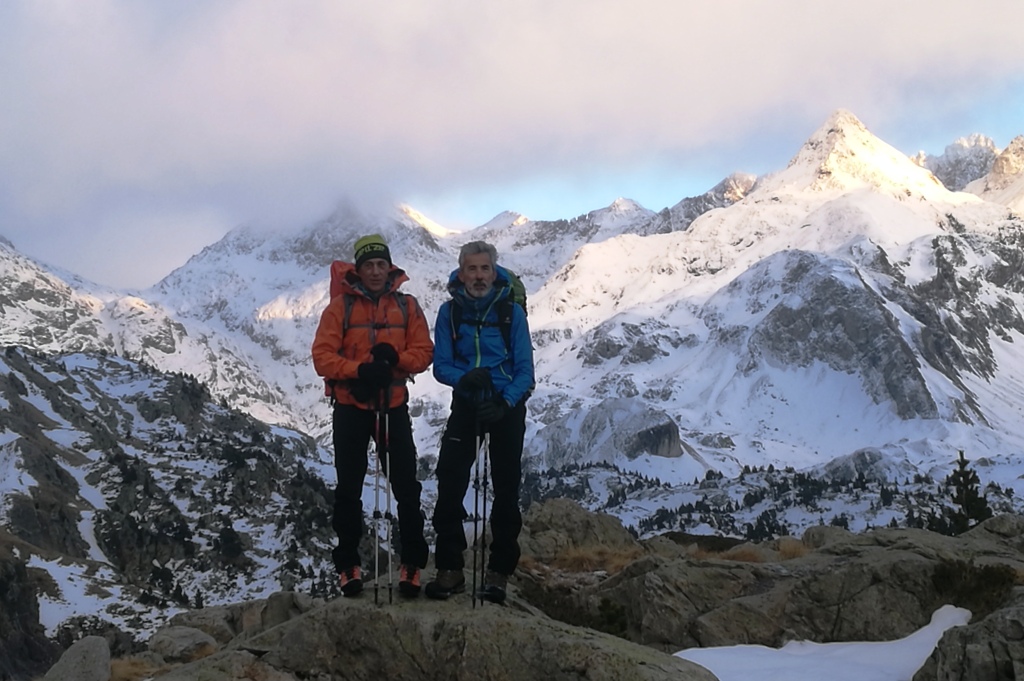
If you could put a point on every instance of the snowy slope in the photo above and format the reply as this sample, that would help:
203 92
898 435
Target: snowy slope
862 215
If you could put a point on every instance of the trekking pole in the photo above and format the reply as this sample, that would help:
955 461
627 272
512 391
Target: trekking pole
376 501
476 509
389 518
485 455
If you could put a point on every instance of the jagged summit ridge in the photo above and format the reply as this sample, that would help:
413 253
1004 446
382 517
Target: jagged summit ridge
963 161
843 155
1004 184
505 220
1011 160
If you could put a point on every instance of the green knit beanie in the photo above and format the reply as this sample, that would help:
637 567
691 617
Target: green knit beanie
371 246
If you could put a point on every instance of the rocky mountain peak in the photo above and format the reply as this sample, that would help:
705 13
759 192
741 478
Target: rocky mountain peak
1005 183
624 205
843 155
423 221
506 219
734 187
963 161
1011 160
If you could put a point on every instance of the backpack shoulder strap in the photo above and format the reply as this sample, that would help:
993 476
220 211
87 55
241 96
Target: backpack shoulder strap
403 305
347 299
455 316
505 313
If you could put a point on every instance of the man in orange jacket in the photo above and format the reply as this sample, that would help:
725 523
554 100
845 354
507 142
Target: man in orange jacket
370 340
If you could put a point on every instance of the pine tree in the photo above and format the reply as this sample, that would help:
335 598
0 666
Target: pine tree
971 504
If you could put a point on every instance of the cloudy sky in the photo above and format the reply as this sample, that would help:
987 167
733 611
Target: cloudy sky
133 134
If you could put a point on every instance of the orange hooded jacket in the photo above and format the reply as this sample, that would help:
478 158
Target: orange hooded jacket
338 351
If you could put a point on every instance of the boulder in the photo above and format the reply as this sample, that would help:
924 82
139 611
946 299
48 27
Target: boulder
224 622
227 622
989 650
182 644
285 605
558 525
443 640
86 660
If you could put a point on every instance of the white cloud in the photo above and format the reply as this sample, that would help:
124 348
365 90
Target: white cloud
274 110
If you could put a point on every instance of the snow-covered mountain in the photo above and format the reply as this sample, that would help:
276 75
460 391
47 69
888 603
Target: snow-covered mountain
847 301
848 319
963 161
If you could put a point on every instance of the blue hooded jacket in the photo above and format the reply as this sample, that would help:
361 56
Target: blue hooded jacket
481 344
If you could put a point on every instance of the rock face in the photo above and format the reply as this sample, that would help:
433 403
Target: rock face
616 426
86 660
355 639
559 525
990 650
24 649
830 586
964 161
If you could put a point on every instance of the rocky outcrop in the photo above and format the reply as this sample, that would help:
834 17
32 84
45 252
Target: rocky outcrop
829 586
86 660
624 426
964 161
355 639
558 526
1011 160
845 326
989 650
225 623
24 649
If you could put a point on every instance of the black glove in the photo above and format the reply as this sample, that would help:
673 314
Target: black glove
475 379
376 374
361 390
492 410
385 352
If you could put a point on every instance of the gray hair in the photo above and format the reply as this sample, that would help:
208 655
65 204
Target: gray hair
475 247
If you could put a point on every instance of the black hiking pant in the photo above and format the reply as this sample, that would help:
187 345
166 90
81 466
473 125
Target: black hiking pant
353 428
455 465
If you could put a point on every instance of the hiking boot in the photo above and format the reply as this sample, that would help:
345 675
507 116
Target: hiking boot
495 587
351 581
446 583
409 581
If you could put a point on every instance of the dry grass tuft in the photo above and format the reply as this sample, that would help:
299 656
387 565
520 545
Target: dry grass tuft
531 564
134 669
790 548
202 651
744 554
786 548
592 558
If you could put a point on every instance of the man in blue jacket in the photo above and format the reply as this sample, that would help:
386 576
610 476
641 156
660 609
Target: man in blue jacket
482 349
